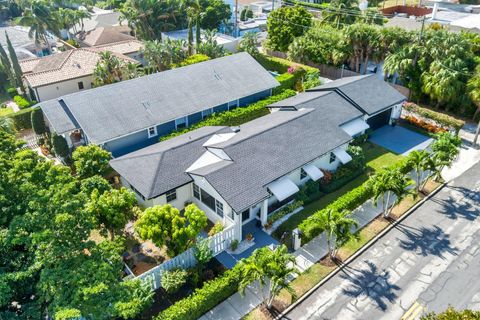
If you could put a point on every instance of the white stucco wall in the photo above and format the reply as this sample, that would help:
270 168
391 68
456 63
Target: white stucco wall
184 194
56 90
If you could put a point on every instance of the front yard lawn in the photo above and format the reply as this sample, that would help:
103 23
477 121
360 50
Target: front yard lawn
376 158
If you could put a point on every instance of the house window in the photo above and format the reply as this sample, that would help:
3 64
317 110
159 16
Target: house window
332 157
232 104
152 132
171 195
303 174
208 200
219 207
206 113
181 123
80 85
196 191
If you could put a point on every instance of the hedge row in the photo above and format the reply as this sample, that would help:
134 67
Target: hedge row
21 119
203 299
349 201
281 65
237 116
323 5
441 118
287 81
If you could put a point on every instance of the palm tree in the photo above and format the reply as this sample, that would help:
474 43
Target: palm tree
209 46
445 150
272 267
108 69
41 20
249 43
424 167
337 226
473 86
80 15
388 183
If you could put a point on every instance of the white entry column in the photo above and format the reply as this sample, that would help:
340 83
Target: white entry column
264 212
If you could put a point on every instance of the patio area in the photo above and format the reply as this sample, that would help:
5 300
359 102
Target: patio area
399 140
260 240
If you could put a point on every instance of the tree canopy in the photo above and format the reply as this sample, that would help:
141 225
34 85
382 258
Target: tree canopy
91 160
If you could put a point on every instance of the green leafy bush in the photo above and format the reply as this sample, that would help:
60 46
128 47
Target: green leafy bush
196 58
12 92
22 119
60 146
21 102
281 65
237 116
173 280
340 178
217 227
38 123
287 81
441 118
234 245
284 211
203 299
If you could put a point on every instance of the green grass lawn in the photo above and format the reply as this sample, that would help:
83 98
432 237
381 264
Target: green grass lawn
5 111
376 158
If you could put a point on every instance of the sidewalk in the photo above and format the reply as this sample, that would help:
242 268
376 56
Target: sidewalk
236 306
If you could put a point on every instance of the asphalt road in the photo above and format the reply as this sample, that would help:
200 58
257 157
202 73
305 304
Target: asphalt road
429 261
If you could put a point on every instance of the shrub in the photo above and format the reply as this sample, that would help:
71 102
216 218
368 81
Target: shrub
287 81
440 118
340 178
281 65
203 299
21 102
424 125
249 14
60 146
217 227
38 123
284 211
237 116
22 119
173 280
196 58
73 43
12 92
234 245
91 160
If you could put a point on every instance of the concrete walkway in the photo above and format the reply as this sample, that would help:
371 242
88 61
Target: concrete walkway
236 307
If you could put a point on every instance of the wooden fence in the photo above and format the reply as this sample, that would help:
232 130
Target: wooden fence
185 260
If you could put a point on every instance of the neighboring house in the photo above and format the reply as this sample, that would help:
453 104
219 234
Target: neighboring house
23 45
133 114
228 42
115 39
244 173
101 18
62 73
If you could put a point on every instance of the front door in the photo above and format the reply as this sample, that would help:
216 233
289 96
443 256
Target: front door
245 215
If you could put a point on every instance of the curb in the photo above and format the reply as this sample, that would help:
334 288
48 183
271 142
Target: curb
359 252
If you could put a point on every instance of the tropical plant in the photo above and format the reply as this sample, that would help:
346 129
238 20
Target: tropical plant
173 280
91 160
164 225
17 70
60 146
110 69
214 12
474 91
7 125
424 166
203 254
337 226
389 184
341 12
209 45
452 314
217 227
162 55
269 267
6 66
445 150
248 43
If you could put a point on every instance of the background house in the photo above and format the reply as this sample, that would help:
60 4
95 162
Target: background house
129 115
24 46
62 73
226 41
245 173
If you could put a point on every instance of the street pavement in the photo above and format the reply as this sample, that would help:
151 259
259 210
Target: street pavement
427 262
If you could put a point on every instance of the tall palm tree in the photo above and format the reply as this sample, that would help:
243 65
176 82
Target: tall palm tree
108 69
389 183
424 167
269 267
81 15
445 150
41 20
337 226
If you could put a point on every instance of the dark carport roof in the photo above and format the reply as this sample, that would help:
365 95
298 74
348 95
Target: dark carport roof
366 92
119 109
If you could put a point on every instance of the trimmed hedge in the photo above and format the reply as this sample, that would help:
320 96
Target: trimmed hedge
287 81
203 299
21 119
336 184
441 118
323 5
21 102
281 65
237 116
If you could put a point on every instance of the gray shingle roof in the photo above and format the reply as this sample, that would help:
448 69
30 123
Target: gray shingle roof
58 118
111 111
161 167
367 91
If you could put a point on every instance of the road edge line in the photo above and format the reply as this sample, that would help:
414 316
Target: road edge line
359 252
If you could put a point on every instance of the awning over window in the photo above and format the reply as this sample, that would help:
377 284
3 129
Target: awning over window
283 188
355 127
342 155
313 172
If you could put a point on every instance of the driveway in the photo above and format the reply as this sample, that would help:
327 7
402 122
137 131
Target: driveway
427 262
400 140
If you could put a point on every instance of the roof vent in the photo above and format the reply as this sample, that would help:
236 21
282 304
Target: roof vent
235 129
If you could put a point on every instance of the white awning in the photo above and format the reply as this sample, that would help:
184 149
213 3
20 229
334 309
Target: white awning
283 188
313 172
355 127
342 155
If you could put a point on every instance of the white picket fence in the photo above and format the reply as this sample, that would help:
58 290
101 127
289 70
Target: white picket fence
185 260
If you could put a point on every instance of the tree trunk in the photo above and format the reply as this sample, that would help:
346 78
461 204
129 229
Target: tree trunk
112 234
366 63
385 211
477 133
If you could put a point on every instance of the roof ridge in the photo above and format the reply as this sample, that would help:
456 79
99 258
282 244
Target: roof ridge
115 43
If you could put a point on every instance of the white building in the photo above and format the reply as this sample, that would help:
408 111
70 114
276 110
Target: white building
228 42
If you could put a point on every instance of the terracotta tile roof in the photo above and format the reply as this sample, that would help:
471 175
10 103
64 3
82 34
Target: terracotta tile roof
123 47
63 66
106 35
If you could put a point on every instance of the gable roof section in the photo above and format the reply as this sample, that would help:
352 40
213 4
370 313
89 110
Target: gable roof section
59 119
63 66
366 92
123 47
161 167
105 35
134 105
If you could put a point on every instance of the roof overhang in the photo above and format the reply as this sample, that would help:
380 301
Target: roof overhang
342 155
283 188
355 127
313 172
